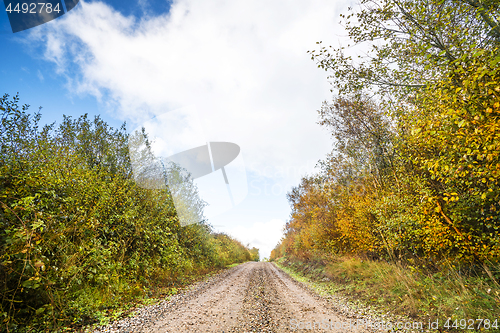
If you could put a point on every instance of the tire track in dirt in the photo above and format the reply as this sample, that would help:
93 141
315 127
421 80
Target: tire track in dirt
213 310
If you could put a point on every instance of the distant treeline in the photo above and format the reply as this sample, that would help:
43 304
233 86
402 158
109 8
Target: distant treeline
78 236
414 173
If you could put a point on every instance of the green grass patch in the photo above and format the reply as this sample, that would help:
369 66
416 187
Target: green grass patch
233 265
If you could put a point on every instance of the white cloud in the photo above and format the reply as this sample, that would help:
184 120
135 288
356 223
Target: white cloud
263 236
243 64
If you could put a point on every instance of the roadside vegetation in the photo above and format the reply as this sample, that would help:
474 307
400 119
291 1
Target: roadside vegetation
80 241
411 187
396 292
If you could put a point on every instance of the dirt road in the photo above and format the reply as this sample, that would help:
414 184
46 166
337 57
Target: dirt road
252 297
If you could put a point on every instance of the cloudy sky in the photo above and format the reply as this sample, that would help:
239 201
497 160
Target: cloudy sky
201 71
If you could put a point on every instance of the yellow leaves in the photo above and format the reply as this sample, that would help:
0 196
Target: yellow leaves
415 131
450 197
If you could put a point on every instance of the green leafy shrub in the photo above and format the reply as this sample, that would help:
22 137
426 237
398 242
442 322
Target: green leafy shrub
78 236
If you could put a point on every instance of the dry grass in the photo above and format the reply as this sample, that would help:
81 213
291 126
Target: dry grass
410 290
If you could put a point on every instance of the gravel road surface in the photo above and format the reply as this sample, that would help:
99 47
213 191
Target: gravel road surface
251 297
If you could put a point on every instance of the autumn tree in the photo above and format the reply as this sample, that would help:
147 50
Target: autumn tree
415 163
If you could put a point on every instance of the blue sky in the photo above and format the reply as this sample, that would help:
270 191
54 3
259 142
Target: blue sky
241 65
24 70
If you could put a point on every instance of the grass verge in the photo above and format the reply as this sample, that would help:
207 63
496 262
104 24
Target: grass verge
452 298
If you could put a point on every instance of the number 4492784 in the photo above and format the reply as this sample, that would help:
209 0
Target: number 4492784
471 324
31 8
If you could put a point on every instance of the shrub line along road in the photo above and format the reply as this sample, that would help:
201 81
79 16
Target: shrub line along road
251 297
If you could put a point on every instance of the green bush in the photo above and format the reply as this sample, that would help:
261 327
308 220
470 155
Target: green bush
78 236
